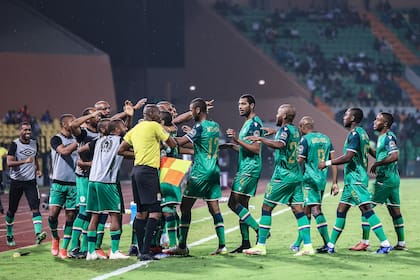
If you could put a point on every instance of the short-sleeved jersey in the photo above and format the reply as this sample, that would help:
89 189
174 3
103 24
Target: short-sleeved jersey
63 166
85 137
287 168
145 138
166 151
106 162
205 137
386 145
249 162
355 171
21 151
315 147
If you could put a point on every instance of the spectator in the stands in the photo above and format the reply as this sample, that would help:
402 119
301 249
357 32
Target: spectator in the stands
24 115
36 129
46 117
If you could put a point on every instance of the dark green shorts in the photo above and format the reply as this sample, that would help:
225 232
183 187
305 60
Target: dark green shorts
63 196
205 189
171 195
103 197
386 193
279 192
245 184
355 195
82 187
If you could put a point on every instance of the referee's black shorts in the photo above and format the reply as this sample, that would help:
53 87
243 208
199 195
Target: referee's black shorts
146 188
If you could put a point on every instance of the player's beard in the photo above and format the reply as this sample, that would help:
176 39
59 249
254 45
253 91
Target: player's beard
245 113
347 124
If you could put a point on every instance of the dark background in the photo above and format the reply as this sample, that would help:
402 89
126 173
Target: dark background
135 33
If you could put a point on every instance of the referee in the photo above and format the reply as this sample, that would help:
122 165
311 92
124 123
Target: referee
145 140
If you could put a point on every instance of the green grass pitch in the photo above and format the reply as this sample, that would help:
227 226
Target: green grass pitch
278 264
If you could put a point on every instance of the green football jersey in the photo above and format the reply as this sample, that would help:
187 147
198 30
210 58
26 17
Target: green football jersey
205 137
249 162
355 171
387 144
287 168
315 147
174 151
166 151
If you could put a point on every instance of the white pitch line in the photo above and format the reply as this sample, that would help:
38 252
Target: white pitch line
196 243
122 270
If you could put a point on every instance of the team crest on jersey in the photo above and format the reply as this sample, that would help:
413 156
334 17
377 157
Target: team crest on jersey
106 145
300 149
193 132
256 133
283 135
392 145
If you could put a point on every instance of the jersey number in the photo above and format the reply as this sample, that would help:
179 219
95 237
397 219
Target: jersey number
321 154
293 156
213 143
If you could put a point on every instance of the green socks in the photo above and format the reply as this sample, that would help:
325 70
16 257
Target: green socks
304 227
375 225
67 234
365 228
184 227
9 225
53 224
246 217
399 227
219 226
115 240
37 221
322 226
91 236
265 226
340 222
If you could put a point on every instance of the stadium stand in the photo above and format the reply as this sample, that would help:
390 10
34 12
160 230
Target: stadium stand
343 57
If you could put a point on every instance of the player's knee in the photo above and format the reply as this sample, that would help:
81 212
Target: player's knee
36 214
316 210
396 216
83 217
237 209
170 218
10 214
265 212
299 215
217 218
232 204
69 224
368 214
341 214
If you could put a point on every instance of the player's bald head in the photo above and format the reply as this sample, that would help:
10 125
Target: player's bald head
307 122
289 110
